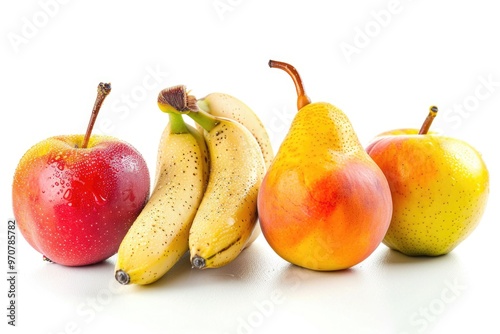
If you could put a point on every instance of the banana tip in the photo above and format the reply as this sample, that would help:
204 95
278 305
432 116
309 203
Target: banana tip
122 277
198 262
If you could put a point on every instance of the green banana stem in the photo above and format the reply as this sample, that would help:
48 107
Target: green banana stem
177 101
205 120
203 105
177 124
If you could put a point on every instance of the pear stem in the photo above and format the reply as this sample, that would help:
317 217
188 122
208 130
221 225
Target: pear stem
428 120
103 89
177 124
302 98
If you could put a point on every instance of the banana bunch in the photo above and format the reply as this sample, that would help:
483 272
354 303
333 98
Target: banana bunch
205 196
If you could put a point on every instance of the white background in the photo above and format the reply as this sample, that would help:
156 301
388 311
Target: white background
402 57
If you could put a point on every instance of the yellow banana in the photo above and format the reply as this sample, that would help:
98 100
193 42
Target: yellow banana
225 105
159 236
228 106
227 214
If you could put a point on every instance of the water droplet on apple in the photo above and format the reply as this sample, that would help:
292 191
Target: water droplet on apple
99 199
128 195
68 194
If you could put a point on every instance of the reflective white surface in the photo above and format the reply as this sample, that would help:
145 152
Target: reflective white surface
260 293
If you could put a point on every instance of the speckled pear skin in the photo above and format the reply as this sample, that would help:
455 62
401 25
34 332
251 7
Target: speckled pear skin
439 187
324 204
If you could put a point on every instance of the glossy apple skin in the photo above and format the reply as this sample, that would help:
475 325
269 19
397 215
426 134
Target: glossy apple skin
439 187
75 205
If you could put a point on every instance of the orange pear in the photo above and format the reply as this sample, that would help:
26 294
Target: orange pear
324 204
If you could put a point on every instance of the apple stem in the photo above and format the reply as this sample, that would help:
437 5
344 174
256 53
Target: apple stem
103 89
302 98
428 120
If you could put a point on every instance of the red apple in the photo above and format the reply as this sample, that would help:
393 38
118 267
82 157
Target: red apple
75 196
